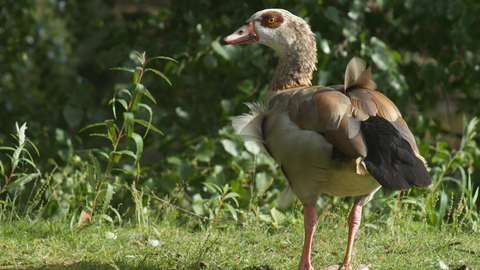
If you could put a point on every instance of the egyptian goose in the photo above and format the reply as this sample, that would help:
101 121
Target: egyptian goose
343 140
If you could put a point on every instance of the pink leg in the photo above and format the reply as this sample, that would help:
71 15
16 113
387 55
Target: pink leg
310 220
353 223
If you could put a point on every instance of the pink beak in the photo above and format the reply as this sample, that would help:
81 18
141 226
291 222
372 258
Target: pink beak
241 36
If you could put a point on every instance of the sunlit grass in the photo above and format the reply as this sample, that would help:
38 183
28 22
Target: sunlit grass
385 242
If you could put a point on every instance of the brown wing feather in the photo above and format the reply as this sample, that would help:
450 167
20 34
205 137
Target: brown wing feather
331 113
338 115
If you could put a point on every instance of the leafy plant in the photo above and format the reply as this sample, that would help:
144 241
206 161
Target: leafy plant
219 201
17 157
95 175
454 168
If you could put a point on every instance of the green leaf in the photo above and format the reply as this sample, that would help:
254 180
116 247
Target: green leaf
139 143
96 166
92 125
123 68
213 187
105 217
139 56
129 122
231 147
220 49
100 135
91 175
261 180
108 197
278 216
146 107
112 134
136 75
29 162
332 14
233 196
128 153
115 157
147 125
159 73
147 93
24 180
137 96
122 90
174 160
34 147
116 213
232 211
21 133
124 103
162 57
246 86
252 147
16 156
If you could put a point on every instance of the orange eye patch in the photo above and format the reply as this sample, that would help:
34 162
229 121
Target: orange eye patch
271 20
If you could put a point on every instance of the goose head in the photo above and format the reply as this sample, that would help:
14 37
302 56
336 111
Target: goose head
290 36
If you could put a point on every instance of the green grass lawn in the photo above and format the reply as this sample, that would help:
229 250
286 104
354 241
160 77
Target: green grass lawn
394 244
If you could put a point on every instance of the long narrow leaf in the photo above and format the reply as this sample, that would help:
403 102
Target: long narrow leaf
123 68
112 134
21 133
232 211
108 197
162 57
100 152
159 73
147 125
92 125
100 135
146 107
129 122
136 75
122 90
29 162
137 96
96 166
115 157
24 180
147 93
34 147
91 175
128 153
116 213
139 143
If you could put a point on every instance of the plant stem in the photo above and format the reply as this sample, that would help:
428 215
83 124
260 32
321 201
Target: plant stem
8 180
218 210
109 167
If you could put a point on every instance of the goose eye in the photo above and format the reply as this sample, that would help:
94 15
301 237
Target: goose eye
271 20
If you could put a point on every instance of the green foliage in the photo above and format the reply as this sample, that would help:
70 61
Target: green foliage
452 173
96 176
54 72
19 156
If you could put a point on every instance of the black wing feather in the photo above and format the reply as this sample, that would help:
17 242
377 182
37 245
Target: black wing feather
390 159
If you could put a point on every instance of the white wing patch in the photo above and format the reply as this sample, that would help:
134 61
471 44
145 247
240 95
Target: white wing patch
249 125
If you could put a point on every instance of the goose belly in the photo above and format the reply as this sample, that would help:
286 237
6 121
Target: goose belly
305 158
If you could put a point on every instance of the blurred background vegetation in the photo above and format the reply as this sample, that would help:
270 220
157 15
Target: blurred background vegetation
55 61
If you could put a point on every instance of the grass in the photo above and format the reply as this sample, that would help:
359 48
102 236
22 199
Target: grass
385 242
